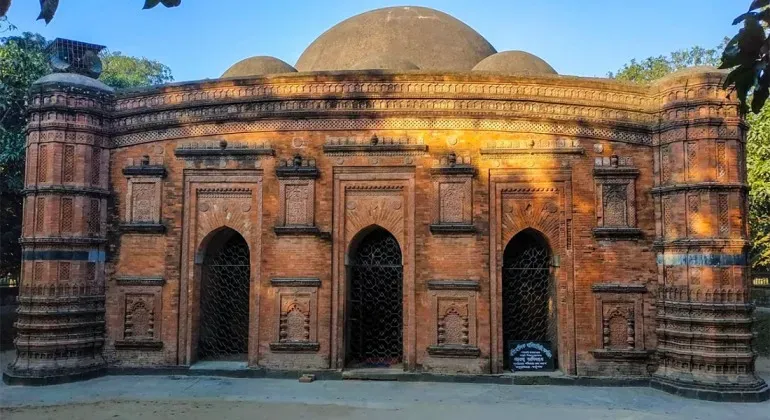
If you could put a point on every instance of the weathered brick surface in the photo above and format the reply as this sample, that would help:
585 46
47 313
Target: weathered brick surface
535 146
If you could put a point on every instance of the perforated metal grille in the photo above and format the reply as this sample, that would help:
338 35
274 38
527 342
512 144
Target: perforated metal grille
375 321
526 290
224 324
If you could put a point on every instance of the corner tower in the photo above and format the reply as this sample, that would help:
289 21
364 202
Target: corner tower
703 311
61 300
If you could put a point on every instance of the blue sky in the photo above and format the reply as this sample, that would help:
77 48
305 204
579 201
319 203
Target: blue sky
202 38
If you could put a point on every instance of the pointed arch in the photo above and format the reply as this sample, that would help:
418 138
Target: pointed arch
374 318
528 290
224 295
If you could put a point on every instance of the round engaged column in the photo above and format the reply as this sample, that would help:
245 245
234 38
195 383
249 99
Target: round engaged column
61 301
703 310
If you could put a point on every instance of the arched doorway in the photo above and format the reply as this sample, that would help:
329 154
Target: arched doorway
375 302
527 292
224 298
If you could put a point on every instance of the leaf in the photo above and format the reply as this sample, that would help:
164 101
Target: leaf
743 17
47 10
731 52
149 4
761 92
4 6
756 4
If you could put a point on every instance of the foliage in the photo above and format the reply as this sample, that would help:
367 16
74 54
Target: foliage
122 71
652 68
48 7
22 61
748 55
758 144
758 160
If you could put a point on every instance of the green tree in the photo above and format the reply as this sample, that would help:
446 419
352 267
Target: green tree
758 160
758 143
122 71
652 68
22 61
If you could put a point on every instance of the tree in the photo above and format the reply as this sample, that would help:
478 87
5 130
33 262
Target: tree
22 61
122 71
652 68
758 160
748 55
758 138
48 7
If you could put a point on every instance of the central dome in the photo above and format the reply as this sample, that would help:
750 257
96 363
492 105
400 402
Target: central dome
425 38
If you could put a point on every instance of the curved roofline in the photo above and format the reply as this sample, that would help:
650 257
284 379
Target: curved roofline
380 75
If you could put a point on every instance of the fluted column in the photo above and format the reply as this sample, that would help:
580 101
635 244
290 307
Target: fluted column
704 315
61 300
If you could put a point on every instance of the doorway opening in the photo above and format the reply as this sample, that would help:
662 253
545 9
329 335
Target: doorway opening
375 301
224 298
529 311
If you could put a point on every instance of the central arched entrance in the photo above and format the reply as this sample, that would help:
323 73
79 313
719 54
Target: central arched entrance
375 302
528 290
224 298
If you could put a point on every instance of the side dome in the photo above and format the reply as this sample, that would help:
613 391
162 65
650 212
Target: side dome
427 38
515 62
258 66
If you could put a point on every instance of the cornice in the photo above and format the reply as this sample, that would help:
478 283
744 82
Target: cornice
63 240
371 85
66 189
699 186
139 281
640 135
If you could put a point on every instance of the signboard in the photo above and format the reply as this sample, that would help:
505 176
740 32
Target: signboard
530 356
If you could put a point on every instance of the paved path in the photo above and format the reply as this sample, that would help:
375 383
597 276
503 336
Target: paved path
190 398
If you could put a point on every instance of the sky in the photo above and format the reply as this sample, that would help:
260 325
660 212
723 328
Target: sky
202 38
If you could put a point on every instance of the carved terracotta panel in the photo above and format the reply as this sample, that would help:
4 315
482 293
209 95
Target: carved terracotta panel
297 202
453 200
296 318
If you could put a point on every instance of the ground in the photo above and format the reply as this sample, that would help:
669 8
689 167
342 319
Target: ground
160 397
194 398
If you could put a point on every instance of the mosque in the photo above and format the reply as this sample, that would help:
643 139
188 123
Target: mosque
405 198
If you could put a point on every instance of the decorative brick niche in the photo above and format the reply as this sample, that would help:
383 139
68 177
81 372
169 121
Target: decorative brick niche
619 322
453 195
143 197
296 214
453 304
140 304
615 179
297 329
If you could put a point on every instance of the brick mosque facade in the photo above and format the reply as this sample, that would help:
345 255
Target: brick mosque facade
135 200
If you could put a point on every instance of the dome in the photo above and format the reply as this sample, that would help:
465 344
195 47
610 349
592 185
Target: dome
258 66
426 38
74 79
384 63
515 62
